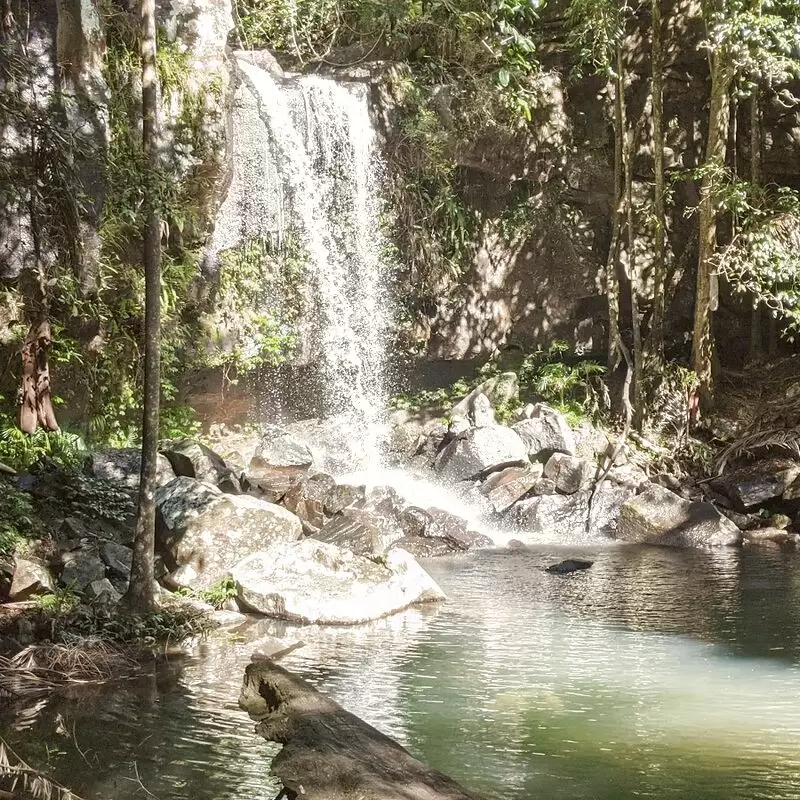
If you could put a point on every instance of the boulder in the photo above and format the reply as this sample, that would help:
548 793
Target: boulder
499 390
6 574
307 499
454 530
122 467
369 531
564 516
341 496
659 516
545 432
770 537
504 488
544 486
414 520
202 528
749 488
569 474
81 568
30 578
117 558
590 442
478 450
459 425
481 412
191 459
569 566
280 463
101 591
313 582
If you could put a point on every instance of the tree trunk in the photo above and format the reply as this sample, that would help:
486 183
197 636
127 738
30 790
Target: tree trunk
36 407
330 754
612 279
140 598
755 179
656 344
628 138
706 291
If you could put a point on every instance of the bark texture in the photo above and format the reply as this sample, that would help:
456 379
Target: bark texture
706 295
329 753
140 597
36 407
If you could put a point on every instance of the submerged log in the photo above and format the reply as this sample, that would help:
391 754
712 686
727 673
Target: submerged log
329 753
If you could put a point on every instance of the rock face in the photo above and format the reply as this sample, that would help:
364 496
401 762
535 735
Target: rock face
122 467
82 567
314 582
504 488
748 489
659 516
30 578
477 450
192 459
280 463
206 532
569 474
546 431
566 515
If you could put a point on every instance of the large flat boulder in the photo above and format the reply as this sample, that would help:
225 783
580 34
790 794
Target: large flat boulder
661 517
205 532
479 449
315 582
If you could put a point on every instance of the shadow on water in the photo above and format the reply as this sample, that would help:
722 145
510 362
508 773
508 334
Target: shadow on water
655 673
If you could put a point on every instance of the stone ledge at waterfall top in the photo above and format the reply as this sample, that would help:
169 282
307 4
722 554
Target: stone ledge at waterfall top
317 583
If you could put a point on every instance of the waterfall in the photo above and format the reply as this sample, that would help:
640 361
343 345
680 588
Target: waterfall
305 159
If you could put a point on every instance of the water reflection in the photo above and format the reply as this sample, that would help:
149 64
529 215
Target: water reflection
656 673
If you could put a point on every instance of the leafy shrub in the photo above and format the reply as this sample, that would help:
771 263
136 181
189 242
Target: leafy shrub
20 450
17 518
571 385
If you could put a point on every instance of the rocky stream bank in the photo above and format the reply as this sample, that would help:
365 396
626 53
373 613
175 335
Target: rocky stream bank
268 522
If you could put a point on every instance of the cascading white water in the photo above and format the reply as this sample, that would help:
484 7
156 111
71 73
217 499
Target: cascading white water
305 158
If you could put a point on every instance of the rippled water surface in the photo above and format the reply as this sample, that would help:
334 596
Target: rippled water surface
656 673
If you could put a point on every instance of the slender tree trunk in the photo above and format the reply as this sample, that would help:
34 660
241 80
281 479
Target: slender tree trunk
140 597
755 179
707 291
612 279
656 344
628 137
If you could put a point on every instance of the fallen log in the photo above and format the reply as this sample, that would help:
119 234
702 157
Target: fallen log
329 753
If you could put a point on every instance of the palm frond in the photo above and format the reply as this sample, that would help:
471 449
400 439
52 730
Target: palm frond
781 438
31 780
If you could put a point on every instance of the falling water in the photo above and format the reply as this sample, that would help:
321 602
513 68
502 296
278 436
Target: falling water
305 158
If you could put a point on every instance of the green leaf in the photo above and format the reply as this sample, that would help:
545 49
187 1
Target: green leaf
503 77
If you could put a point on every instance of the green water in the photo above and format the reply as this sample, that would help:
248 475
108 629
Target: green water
657 673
